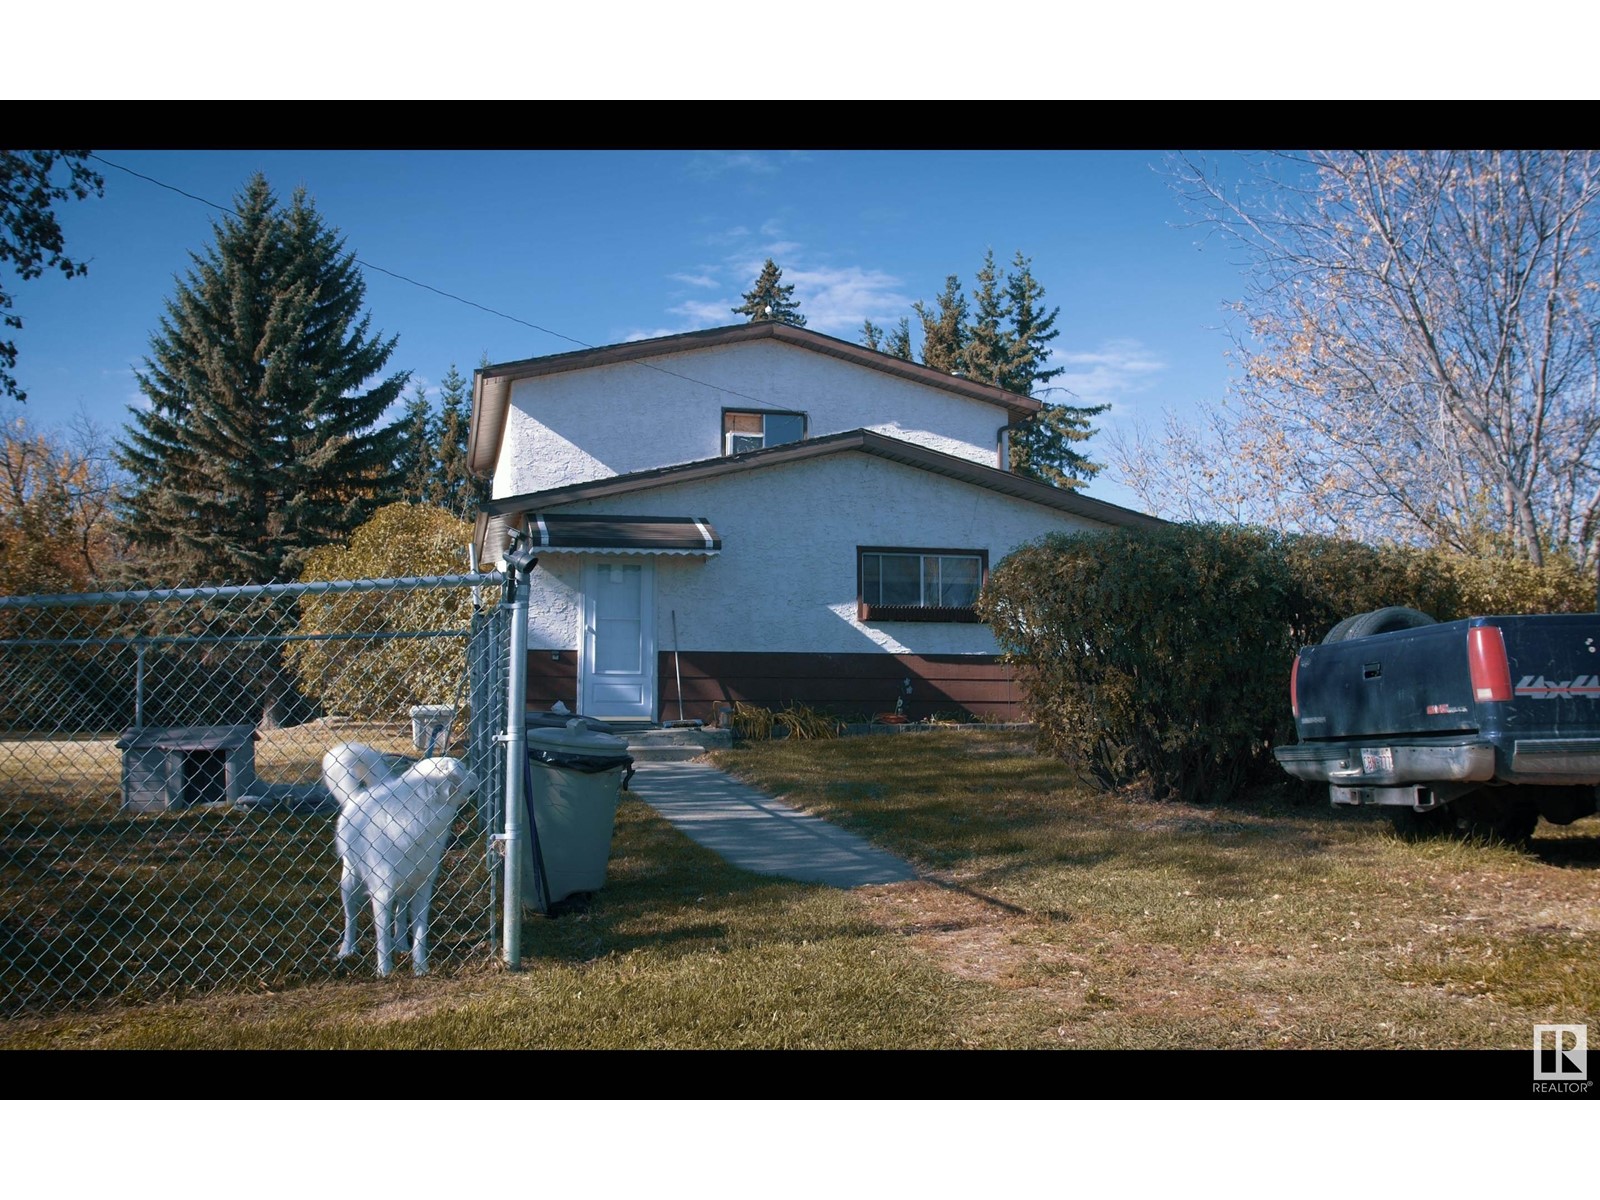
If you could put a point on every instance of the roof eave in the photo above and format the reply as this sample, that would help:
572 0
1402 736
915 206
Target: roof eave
881 445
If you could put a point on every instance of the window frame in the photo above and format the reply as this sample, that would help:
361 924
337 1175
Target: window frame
763 413
961 614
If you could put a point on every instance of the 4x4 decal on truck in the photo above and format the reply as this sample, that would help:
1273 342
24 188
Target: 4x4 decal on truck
1537 687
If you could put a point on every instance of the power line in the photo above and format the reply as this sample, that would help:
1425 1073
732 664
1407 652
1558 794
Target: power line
361 262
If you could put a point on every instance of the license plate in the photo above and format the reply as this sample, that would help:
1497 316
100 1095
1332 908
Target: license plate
1373 761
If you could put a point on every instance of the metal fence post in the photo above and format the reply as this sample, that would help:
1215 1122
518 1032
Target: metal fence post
518 563
487 654
138 686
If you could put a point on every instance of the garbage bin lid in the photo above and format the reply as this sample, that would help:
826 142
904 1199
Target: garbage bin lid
574 737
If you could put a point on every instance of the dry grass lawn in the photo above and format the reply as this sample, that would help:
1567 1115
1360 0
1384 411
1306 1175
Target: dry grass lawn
1048 915
1111 921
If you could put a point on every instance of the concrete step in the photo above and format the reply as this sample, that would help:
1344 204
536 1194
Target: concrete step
674 745
644 754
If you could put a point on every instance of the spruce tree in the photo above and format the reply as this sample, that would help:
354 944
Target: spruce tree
263 438
988 350
1031 329
896 341
771 299
1043 446
944 330
416 466
457 490
899 340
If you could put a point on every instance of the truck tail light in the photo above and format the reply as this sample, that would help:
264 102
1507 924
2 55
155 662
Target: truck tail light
1294 687
1486 659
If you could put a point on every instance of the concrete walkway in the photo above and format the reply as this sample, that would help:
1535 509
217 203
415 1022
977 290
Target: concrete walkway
752 830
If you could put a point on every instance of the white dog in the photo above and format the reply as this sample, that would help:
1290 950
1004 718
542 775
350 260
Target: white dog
394 821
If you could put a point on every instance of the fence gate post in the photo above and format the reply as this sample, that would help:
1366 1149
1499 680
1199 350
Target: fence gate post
520 561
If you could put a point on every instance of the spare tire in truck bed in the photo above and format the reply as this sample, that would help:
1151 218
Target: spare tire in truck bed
1379 620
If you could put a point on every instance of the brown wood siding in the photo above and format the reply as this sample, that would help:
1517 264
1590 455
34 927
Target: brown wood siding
552 676
842 683
848 684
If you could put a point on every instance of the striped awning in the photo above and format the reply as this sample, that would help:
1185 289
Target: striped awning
594 534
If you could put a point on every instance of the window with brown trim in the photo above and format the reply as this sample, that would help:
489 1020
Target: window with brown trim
905 583
751 429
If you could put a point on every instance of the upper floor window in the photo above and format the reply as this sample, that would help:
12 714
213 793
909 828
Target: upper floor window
752 429
903 584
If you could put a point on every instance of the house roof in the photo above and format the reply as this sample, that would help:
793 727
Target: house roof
491 385
496 515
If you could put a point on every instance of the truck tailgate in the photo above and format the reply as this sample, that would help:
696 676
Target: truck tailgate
1367 707
1412 681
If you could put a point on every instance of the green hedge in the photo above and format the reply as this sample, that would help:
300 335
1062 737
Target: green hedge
1165 653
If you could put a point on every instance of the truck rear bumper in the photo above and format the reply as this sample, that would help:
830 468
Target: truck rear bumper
1378 763
1555 760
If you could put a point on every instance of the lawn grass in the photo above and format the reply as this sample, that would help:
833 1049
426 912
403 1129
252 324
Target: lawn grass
1111 921
98 903
1049 915
678 950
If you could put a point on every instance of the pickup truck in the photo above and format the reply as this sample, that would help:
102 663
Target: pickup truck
1476 727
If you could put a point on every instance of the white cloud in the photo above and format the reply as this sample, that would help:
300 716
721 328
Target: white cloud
837 299
1117 372
640 335
712 164
1121 353
727 236
705 313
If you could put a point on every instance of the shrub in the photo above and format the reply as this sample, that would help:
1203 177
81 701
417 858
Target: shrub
1151 651
1339 578
751 721
1165 653
805 723
376 679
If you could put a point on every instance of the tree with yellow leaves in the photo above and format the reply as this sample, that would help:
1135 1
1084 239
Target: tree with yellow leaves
1420 352
56 497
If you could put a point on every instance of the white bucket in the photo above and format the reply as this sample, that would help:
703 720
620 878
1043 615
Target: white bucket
432 721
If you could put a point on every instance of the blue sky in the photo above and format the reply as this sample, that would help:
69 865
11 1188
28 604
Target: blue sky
604 246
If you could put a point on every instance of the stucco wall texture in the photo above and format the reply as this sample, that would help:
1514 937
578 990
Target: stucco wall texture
786 579
611 420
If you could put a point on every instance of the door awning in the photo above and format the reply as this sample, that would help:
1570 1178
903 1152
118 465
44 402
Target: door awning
595 534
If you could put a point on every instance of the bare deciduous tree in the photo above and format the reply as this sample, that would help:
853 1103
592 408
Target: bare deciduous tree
1419 352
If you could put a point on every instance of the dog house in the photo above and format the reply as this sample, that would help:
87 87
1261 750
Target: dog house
168 769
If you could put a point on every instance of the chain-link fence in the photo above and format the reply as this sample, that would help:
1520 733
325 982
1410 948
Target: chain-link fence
165 822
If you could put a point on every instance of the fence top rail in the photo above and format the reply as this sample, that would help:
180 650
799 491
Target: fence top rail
232 639
254 591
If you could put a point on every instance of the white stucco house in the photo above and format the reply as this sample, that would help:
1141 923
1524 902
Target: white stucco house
798 517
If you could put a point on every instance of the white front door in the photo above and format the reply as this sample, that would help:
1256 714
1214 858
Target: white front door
617 666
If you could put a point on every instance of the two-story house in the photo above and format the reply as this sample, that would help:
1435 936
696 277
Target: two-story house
765 512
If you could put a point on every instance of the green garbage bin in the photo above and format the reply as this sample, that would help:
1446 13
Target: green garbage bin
575 776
